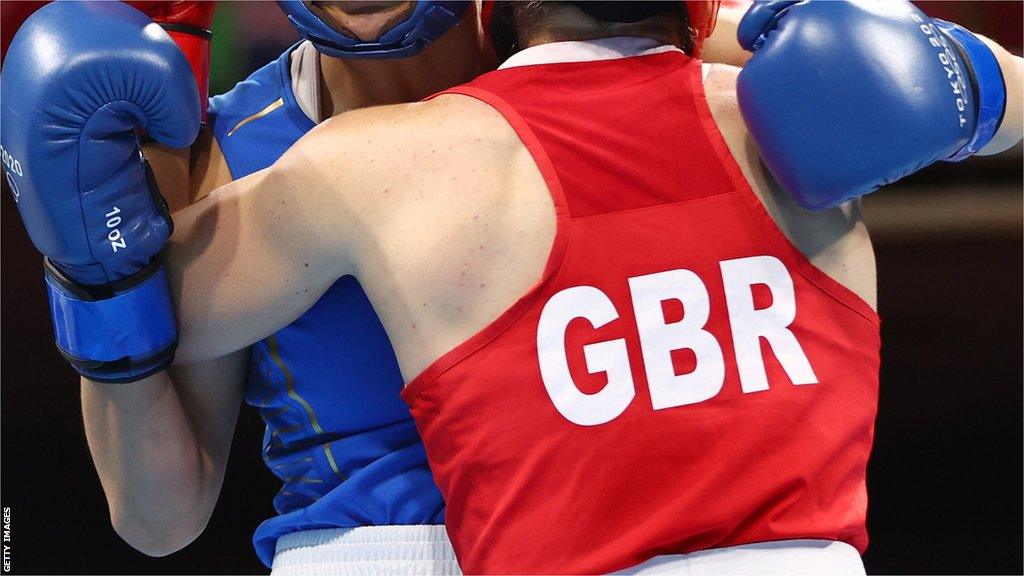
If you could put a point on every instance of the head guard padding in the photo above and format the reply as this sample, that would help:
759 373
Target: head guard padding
428 21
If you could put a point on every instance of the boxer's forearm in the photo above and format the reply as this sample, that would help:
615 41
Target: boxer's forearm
160 446
149 462
1012 127
143 446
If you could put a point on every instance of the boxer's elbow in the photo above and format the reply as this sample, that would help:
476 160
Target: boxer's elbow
153 545
162 534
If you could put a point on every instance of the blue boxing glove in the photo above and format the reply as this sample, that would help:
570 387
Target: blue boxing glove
78 78
842 97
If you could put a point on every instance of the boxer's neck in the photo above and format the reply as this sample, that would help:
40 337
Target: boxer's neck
457 57
559 22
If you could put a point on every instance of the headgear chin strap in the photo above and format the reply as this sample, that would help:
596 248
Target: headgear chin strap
427 22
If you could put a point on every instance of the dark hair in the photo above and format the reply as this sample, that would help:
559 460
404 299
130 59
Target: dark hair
505 36
628 12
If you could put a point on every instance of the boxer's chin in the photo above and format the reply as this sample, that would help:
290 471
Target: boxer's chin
365 20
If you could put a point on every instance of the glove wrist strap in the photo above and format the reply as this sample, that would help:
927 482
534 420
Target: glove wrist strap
989 86
121 336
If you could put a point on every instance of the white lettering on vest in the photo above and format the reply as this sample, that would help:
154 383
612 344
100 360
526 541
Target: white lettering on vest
749 325
610 357
658 339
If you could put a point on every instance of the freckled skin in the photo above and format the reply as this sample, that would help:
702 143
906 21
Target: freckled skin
480 201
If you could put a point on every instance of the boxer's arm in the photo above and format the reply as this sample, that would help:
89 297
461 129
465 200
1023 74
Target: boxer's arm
254 255
722 47
160 446
185 175
250 258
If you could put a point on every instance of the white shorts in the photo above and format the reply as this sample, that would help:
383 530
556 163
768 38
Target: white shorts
426 550
791 557
421 549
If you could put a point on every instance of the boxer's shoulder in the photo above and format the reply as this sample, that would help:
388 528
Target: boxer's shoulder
447 122
392 177
404 149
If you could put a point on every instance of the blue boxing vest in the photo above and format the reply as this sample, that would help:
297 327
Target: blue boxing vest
338 434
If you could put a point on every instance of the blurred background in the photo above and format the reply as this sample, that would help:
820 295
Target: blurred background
945 479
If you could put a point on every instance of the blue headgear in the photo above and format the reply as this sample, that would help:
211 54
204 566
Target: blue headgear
427 22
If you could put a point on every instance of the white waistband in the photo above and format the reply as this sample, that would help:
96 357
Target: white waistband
421 549
426 550
790 557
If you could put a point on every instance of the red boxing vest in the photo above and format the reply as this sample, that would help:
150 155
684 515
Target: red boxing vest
681 378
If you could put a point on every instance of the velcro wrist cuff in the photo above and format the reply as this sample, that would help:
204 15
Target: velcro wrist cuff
989 86
120 337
